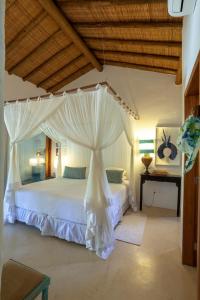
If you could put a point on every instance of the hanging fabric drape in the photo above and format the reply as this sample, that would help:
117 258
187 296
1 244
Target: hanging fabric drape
91 119
128 128
84 119
22 121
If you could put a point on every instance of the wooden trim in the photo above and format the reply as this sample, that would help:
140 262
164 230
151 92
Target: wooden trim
47 61
190 204
198 225
71 78
48 157
192 76
74 61
68 29
34 51
139 67
14 43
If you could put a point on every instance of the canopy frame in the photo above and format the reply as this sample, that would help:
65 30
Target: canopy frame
132 111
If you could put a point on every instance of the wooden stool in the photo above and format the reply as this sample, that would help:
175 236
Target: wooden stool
19 282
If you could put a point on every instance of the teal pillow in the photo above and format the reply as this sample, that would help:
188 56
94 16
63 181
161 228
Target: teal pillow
74 173
114 176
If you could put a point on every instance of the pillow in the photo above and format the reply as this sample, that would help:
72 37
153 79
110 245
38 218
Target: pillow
124 175
114 176
74 173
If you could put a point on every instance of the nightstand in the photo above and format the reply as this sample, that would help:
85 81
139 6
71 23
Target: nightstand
162 178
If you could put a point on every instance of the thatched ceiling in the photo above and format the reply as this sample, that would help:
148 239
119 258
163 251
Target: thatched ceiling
51 43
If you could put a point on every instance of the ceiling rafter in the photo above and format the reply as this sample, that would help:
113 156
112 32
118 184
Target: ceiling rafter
147 59
72 77
47 61
14 43
36 50
140 67
157 31
72 62
148 47
114 32
67 28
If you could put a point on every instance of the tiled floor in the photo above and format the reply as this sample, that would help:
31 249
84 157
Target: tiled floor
152 271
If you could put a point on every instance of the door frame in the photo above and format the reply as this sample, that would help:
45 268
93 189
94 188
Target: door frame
191 193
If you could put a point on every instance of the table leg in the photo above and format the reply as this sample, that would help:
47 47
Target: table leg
179 199
45 294
141 193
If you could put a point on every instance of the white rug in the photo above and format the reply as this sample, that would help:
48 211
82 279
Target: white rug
131 229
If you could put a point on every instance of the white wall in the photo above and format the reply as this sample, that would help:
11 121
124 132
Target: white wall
158 101
15 88
191 42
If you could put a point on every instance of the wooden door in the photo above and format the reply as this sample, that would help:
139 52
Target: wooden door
191 205
198 235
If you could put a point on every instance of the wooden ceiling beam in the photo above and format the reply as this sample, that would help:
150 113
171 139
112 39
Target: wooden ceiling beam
148 47
156 31
150 60
132 24
34 51
67 28
108 2
71 78
140 67
47 61
74 61
14 43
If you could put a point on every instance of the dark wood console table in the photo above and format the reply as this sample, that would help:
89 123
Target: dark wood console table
162 178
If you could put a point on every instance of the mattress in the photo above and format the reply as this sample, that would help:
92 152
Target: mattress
63 199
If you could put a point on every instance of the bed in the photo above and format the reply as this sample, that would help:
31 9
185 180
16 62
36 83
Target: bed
56 207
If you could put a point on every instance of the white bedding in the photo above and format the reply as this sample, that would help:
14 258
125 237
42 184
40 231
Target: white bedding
63 199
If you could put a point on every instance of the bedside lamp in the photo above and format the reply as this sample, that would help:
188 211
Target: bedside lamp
37 164
146 147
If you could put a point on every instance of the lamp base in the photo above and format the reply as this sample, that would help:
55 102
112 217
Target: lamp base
147 161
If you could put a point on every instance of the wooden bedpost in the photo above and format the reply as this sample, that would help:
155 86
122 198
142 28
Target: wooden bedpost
48 157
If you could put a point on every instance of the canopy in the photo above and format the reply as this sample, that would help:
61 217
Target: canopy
91 119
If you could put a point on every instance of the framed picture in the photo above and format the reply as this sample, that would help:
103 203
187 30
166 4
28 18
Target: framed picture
166 152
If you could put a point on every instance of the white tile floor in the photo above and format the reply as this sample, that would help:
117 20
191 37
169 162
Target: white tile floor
152 271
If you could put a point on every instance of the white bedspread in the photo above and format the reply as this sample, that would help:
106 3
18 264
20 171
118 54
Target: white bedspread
63 199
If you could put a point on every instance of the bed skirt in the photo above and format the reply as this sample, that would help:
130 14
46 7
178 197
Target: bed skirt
63 229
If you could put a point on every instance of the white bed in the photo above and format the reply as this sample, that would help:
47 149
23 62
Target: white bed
56 207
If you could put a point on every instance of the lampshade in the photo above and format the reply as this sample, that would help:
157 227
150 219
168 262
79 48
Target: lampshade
146 146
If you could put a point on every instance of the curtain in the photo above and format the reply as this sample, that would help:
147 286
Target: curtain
89 119
22 121
127 121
